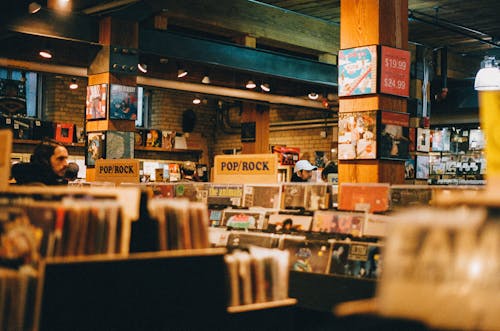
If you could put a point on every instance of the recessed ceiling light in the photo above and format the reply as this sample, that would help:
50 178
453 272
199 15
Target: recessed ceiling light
250 85
45 53
73 85
196 101
206 79
265 87
313 96
142 67
181 73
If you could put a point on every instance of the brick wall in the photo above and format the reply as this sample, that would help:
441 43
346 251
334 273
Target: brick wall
60 104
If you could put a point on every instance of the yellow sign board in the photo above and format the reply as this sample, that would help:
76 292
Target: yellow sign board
5 150
117 171
246 168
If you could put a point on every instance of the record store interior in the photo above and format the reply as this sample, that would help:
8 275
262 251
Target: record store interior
249 165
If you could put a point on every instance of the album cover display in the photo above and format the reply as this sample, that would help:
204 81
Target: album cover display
423 140
422 162
317 197
139 138
394 135
357 135
296 223
174 172
411 195
459 141
410 168
123 102
287 155
119 145
373 198
215 217
441 140
294 195
246 239
153 138
22 127
197 192
356 259
96 104
168 139
358 71
308 256
412 133
65 132
243 219
264 196
96 142
476 140
225 194
13 97
329 221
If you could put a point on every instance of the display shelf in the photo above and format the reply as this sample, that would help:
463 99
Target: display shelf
36 142
261 306
162 150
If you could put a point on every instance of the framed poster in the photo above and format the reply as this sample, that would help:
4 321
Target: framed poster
422 162
476 140
64 132
410 168
123 102
119 145
394 138
441 140
423 140
394 71
96 104
358 71
95 147
357 135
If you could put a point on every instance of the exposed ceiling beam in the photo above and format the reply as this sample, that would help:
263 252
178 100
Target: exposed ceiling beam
255 19
43 67
107 6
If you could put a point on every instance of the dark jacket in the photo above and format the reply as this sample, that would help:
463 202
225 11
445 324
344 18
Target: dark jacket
296 178
35 174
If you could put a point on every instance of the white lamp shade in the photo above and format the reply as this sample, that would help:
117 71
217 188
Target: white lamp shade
488 79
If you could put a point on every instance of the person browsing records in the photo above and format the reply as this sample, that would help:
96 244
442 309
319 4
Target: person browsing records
47 166
188 170
302 171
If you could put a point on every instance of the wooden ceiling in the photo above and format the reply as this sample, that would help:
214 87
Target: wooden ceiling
481 16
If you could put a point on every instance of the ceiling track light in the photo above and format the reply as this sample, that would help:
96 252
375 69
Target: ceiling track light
46 54
313 96
142 67
265 87
250 84
196 101
206 79
73 85
34 7
181 73
488 77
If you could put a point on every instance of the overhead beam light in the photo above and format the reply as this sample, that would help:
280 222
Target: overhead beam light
313 96
181 73
196 100
34 7
250 85
265 87
488 77
46 54
142 67
206 79
73 85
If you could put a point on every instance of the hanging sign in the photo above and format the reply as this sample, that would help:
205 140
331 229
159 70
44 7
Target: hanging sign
117 171
395 71
243 169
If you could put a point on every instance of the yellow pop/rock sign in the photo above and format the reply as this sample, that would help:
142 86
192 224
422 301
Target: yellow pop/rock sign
246 168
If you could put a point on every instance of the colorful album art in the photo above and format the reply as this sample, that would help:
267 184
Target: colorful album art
264 196
338 222
357 71
356 259
225 195
287 155
119 145
123 102
95 147
476 140
357 135
422 162
308 256
13 97
139 140
243 219
153 138
287 223
96 104
168 139
441 140
410 168
215 217
373 198
423 140
196 192
394 135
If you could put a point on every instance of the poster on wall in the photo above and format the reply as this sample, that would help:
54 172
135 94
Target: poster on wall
394 71
476 140
357 135
12 97
423 140
123 102
394 135
441 140
96 104
95 147
119 145
422 162
358 71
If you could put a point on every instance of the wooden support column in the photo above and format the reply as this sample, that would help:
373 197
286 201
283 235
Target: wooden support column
253 113
116 63
373 22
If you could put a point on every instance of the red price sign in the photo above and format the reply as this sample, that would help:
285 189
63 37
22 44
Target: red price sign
395 71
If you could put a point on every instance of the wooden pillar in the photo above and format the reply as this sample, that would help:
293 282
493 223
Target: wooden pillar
115 64
373 22
253 113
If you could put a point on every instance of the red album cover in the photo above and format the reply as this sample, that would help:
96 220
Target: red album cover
364 197
64 132
287 155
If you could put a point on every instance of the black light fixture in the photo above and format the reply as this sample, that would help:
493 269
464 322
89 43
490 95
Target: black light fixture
34 7
181 72
313 96
143 67
73 85
265 87
250 85
46 53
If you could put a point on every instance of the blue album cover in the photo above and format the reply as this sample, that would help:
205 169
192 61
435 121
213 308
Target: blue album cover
123 102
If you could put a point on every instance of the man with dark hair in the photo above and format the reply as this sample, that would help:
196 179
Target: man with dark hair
47 165
188 169
302 171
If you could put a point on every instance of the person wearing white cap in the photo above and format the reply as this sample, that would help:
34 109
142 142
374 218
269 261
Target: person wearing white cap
302 171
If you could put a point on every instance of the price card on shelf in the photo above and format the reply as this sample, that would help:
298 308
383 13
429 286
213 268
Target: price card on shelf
395 71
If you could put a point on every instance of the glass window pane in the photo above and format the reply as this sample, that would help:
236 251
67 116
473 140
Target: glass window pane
140 106
16 75
3 73
31 91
